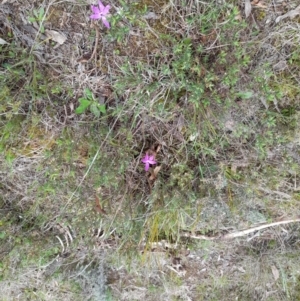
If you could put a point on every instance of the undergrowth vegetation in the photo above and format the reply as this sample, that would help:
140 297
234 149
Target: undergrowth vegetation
211 95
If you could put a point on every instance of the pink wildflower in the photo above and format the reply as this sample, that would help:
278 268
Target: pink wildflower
147 160
100 12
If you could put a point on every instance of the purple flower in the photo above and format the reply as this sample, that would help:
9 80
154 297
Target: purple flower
147 160
100 12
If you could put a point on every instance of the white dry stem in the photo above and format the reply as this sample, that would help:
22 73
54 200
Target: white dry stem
62 244
67 241
240 233
69 234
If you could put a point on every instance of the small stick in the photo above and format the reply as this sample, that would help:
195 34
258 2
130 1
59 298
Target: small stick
98 206
96 42
83 59
240 233
63 248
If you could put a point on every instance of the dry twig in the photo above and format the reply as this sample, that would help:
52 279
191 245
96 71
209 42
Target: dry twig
240 233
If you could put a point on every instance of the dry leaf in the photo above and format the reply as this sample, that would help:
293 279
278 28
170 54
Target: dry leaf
275 272
238 17
280 66
291 14
258 4
98 206
156 170
71 106
241 269
154 173
3 42
158 148
151 15
248 8
56 36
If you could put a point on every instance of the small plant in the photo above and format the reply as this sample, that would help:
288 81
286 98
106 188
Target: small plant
88 101
38 16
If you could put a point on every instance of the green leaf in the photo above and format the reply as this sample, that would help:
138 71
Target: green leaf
35 12
41 13
94 109
88 93
245 94
9 157
101 108
84 104
187 41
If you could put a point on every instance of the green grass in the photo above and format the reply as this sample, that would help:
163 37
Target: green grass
196 82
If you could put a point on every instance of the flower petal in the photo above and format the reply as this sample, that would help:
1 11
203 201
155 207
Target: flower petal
147 166
105 11
95 9
145 159
151 160
95 16
101 6
105 22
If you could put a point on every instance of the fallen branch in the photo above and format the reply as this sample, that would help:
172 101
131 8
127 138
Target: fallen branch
291 14
239 233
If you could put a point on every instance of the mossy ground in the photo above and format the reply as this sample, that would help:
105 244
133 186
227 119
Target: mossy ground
215 95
